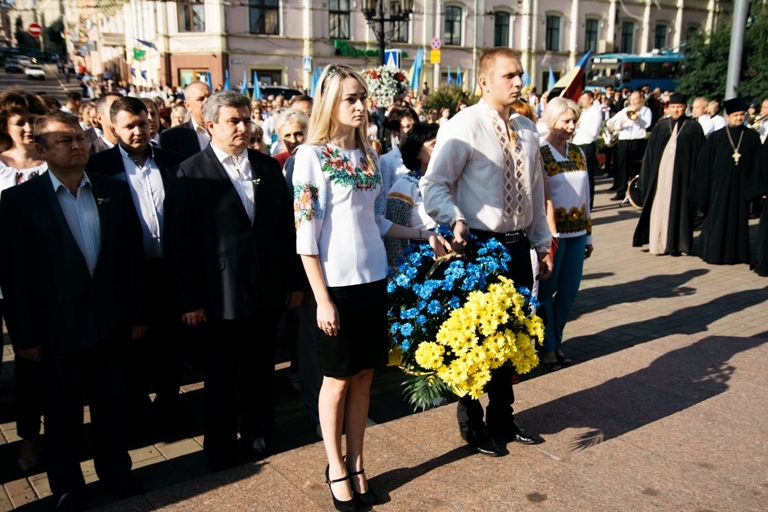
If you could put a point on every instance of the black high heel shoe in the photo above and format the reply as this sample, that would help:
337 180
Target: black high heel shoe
352 505
369 497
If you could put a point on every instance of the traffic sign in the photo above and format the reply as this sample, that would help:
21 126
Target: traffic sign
308 64
436 43
35 30
434 57
392 58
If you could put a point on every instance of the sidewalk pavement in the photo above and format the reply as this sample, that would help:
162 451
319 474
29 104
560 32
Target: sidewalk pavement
664 412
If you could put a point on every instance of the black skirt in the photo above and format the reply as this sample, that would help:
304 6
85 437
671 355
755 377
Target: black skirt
362 342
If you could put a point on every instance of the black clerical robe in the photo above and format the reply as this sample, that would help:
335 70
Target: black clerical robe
690 139
758 189
722 194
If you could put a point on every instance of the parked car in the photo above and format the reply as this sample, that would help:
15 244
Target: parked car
12 66
33 71
277 90
24 60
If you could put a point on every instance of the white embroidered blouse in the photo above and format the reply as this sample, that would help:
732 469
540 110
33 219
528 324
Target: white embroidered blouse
339 207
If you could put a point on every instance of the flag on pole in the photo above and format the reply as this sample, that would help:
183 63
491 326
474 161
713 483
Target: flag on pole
256 86
315 78
227 84
415 73
244 88
449 78
572 84
526 79
459 78
133 72
551 84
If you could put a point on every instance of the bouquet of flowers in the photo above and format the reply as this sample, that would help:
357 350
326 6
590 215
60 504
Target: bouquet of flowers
449 327
386 83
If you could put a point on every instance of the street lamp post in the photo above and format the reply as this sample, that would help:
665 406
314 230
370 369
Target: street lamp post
401 11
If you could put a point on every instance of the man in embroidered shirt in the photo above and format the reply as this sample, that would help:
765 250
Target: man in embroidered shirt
632 124
485 177
231 241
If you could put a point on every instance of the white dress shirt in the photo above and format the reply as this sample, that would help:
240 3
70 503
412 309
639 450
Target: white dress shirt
590 122
148 194
203 137
719 122
238 168
82 216
464 180
109 144
392 168
763 131
632 130
706 124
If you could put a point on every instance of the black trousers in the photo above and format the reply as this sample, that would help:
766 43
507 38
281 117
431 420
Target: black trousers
156 356
589 153
101 371
628 155
240 362
500 394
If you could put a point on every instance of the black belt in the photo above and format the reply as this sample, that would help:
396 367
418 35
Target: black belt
509 238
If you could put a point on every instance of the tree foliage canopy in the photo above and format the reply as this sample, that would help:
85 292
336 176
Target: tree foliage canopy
706 60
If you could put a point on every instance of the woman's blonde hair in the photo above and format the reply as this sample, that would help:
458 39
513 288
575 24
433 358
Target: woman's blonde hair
323 122
556 108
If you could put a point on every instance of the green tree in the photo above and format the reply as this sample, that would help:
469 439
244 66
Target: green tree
706 60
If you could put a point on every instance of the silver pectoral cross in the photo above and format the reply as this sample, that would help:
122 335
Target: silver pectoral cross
736 156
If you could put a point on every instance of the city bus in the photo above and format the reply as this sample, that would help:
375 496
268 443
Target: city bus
619 70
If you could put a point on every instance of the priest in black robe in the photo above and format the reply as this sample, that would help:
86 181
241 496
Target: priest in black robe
724 171
759 189
669 165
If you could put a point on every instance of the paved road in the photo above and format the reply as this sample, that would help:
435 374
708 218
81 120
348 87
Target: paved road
51 85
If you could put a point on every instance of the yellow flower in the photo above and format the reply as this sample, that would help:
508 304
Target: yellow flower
560 214
552 169
430 355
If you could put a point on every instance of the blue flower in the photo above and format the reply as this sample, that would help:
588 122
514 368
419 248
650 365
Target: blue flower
415 258
402 280
525 291
406 345
412 272
447 285
434 308
390 272
391 287
395 328
406 330
421 319
408 314
400 260
421 305
454 302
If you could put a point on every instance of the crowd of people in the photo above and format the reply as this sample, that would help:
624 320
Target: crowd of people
137 223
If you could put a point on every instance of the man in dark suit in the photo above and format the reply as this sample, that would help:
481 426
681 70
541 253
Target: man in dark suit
106 138
232 245
73 280
147 170
190 138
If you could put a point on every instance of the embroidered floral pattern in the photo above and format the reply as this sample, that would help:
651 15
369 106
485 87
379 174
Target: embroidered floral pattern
345 173
23 177
306 203
573 220
575 161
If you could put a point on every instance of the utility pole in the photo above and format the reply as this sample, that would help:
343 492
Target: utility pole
739 25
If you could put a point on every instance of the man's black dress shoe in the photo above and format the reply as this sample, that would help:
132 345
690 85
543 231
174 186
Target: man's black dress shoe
256 447
219 464
513 431
617 197
73 501
479 440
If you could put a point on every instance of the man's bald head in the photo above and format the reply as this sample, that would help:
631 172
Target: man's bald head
195 96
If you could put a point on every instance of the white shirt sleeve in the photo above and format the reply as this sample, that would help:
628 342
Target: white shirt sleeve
448 160
309 200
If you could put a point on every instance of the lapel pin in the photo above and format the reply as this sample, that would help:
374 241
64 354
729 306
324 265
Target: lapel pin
257 181
102 200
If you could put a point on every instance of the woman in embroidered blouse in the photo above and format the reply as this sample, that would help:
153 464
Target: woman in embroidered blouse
339 206
404 203
20 161
566 175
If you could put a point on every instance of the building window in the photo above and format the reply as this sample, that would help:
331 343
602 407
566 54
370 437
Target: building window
627 37
191 16
453 26
660 39
691 32
399 28
501 29
264 17
553 34
590 39
339 19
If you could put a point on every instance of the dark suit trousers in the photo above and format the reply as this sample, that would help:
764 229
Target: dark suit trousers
100 371
500 394
628 154
589 154
240 362
156 356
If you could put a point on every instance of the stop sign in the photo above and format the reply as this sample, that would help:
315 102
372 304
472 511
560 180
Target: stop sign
35 30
